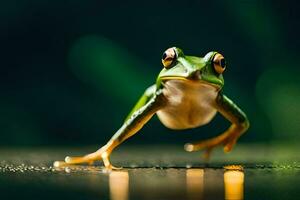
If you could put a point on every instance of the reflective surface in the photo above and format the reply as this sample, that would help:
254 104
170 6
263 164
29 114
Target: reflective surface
28 174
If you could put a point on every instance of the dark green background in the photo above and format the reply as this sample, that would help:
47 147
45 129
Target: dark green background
72 70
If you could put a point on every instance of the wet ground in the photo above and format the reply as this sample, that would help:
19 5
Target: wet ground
154 172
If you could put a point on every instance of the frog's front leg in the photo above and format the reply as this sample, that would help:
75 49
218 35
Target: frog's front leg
239 125
146 107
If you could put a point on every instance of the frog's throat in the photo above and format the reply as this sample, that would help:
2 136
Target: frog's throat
167 78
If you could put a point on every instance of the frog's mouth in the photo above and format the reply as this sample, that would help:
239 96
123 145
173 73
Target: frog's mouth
191 80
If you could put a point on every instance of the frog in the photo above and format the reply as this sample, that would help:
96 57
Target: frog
187 94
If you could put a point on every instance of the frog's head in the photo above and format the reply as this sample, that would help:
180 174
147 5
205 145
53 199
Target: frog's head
207 69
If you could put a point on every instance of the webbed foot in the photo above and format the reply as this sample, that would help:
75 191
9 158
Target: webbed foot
227 140
101 154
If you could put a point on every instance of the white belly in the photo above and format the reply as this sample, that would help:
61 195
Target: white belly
189 104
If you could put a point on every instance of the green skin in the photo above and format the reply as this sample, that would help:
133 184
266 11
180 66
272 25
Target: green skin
185 68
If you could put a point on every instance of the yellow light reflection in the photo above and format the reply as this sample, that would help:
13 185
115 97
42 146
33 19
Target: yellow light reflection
119 185
194 183
234 182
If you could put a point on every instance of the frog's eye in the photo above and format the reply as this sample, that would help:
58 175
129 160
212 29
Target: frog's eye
169 57
219 63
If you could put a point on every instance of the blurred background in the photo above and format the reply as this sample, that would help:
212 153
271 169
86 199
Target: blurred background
72 70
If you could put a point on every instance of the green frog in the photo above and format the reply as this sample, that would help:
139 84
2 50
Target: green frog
187 94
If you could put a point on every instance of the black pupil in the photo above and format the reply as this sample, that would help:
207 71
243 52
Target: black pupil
164 55
222 62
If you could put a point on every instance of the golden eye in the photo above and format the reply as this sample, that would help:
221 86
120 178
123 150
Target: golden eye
169 57
219 63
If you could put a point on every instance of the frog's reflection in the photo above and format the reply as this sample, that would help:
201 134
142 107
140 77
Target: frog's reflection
119 185
234 182
194 183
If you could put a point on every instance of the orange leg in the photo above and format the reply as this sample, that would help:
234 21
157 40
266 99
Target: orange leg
227 139
131 126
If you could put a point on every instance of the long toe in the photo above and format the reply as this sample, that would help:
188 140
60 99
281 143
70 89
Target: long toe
189 147
59 164
76 160
111 167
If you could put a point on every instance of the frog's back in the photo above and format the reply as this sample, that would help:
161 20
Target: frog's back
189 104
